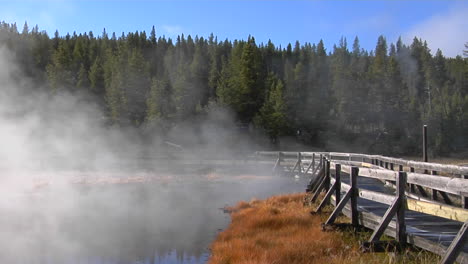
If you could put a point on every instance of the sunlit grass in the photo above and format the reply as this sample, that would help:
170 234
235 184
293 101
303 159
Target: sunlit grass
282 230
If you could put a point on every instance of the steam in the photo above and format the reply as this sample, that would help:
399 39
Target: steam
52 142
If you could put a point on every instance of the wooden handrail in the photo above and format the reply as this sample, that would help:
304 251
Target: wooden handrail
398 202
430 166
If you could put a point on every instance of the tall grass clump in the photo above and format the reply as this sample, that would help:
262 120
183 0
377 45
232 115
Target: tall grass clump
282 230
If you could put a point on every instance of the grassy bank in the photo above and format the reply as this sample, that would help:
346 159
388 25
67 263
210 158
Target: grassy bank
282 230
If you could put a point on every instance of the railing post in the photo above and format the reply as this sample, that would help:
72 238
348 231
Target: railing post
400 214
464 199
321 161
354 196
299 161
327 179
412 186
456 246
313 161
338 183
278 162
434 191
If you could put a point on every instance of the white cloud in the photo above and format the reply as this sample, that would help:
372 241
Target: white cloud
446 31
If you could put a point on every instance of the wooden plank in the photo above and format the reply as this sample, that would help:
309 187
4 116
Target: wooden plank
311 165
412 186
318 179
371 221
331 219
447 184
378 174
434 191
314 181
400 213
451 169
464 198
456 245
378 232
319 188
337 183
376 196
445 211
327 175
326 199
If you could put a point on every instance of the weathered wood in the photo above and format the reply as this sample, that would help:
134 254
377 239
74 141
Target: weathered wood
371 221
456 245
299 160
319 188
434 191
331 219
326 199
439 210
412 186
313 161
317 180
446 184
378 174
327 175
378 232
376 196
277 164
337 183
354 196
446 198
298 164
464 198
400 214
450 169
311 165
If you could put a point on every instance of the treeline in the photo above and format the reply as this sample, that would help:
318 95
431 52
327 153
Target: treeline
371 101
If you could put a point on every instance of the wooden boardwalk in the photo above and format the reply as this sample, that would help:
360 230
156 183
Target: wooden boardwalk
404 215
424 230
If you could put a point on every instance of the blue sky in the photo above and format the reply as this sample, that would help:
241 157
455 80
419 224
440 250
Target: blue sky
443 24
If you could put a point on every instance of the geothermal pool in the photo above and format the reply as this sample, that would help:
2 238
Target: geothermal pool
147 218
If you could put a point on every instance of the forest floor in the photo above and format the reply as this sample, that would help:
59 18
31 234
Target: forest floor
281 229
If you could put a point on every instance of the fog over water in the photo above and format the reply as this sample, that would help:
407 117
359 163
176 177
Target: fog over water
74 190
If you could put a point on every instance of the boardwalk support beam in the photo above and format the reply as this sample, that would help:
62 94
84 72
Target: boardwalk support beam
397 208
278 162
457 244
353 191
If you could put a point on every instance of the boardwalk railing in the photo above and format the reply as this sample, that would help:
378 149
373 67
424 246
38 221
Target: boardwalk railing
415 196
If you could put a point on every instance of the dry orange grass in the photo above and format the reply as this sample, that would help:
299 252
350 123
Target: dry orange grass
278 230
